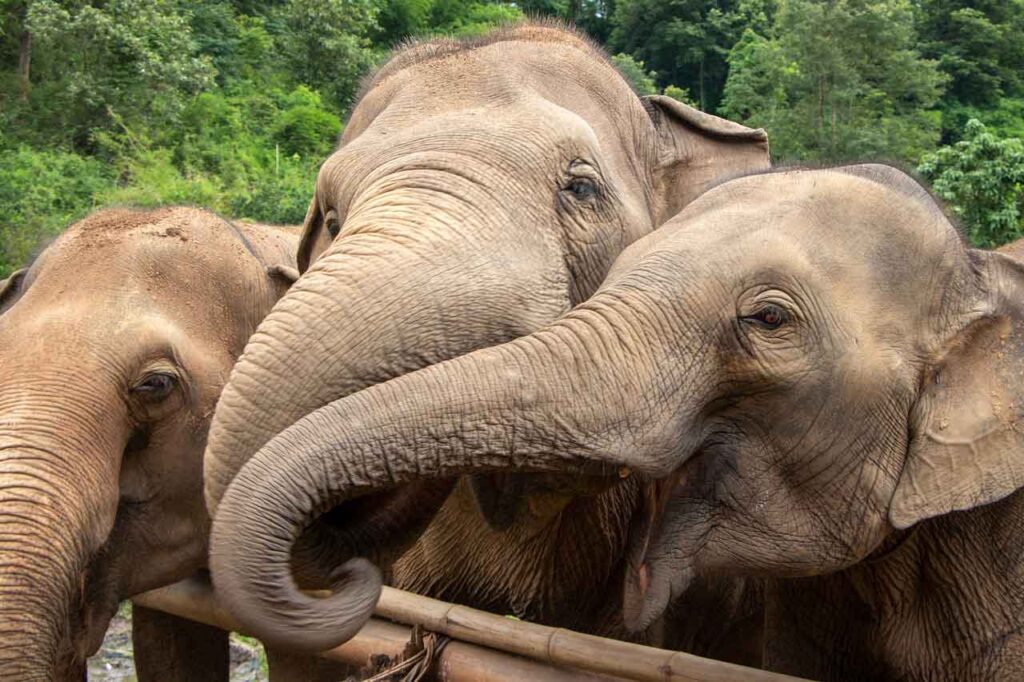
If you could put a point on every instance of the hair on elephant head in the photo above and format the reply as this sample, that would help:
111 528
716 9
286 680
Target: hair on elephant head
114 345
482 187
800 364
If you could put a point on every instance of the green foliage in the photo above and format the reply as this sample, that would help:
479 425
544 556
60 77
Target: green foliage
633 71
644 81
305 127
679 94
978 43
233 104
401 19
40 193
982 178
134 57
1005 117
472 18
249 155
686 41
327 44
837 80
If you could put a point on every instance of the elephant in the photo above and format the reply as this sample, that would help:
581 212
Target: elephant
481 188
114 346
814 378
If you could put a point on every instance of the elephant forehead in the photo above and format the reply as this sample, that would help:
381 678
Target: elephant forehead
121 253
842 223
442 76
481 141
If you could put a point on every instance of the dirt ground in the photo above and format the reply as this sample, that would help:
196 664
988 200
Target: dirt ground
113 662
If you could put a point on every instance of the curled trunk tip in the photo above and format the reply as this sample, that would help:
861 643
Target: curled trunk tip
250 561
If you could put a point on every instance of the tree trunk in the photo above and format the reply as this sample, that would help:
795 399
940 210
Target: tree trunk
703 103
574 10
25 64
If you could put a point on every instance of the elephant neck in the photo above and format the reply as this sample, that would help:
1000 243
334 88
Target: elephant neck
945 601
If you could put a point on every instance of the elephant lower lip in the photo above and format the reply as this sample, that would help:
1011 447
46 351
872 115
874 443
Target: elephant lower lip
646 579
656 496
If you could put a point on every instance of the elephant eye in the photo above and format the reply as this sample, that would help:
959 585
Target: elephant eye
582 188
331 223
769 316
156 386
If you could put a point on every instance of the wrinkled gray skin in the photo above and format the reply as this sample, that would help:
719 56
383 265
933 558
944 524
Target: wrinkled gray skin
114 345
822 385
481 189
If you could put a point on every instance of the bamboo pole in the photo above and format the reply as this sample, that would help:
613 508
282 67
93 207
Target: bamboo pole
562 647
556 653
458 661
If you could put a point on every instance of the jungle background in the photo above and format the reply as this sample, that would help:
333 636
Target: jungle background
233 104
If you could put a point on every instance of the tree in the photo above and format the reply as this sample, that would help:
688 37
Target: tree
978 43
982 178
686 41
594 17
837 79
134 57
636 74
327 43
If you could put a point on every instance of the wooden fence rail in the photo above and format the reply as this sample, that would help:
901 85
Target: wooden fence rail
485 647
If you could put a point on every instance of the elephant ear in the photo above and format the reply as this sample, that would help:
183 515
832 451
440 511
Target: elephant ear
10 288
696 151
967 429
318 231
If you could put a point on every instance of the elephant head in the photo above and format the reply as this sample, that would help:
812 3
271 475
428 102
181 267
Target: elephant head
481 189
114 345
797 364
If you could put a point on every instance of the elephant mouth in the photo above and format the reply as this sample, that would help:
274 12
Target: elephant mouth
657 569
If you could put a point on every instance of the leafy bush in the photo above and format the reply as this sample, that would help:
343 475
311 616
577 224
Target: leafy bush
636 74
305 127
40 193
280 196
982 178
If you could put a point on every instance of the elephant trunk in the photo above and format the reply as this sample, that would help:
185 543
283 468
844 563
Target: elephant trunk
523 406
58 499
387 298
